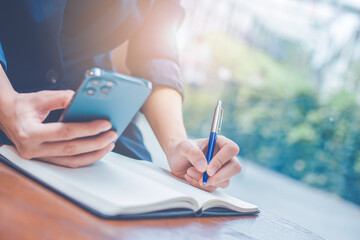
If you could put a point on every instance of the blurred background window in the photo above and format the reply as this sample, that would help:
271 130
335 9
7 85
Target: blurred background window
288 72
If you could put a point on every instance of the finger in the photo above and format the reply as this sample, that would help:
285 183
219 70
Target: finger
80 160
59 131
52 100
202 143
195 183
77 146
224 184
192 152
232 168
228 149
194 173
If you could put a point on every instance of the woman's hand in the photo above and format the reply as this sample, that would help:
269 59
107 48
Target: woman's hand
66 144
187 160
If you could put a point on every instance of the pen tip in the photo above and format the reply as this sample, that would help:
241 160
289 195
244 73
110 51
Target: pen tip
204 184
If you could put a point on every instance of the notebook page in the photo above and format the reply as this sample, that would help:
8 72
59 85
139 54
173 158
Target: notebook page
153 172
204 199
227 201
105 186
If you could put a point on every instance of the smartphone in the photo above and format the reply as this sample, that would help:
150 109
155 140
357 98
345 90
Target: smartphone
107 95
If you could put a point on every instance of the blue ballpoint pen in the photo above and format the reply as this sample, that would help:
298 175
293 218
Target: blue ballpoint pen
215 129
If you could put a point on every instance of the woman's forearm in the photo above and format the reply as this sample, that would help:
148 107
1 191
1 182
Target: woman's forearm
6 90
163 110
7 96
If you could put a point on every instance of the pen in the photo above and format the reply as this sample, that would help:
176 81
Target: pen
215 129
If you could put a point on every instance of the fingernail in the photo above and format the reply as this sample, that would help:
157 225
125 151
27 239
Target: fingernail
201 165
193 173
111 148
113 137
106 126
212 171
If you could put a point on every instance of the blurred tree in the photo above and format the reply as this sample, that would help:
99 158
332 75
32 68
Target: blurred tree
274 112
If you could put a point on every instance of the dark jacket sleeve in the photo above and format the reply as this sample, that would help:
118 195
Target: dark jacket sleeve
152 52
2 58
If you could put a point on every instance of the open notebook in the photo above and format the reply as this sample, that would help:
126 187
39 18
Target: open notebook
119 187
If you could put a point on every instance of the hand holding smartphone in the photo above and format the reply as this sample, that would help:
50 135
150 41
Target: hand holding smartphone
108 95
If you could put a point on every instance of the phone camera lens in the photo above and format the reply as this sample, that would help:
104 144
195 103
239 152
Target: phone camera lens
95 83
90 91
109 84
105 90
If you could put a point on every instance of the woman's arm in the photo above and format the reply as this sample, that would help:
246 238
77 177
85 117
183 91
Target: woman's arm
7 92
186 158
163 110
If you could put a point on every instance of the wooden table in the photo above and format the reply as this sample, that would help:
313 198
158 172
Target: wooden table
30 211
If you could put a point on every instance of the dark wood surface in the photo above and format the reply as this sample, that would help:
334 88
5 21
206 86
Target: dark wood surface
30 211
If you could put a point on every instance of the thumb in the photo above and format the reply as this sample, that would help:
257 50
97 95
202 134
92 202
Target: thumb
191 151
58 99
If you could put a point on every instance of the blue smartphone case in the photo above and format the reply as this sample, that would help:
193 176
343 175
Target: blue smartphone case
108 95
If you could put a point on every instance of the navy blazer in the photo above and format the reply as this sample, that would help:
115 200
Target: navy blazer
49 44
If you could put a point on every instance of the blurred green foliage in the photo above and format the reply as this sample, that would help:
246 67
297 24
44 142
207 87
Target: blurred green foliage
275 113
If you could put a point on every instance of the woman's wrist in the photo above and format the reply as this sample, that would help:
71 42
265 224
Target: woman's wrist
170 146
7 92
7 98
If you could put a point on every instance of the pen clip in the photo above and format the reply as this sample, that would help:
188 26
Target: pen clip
221 113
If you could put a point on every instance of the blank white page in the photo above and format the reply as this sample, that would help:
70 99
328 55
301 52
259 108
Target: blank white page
203 198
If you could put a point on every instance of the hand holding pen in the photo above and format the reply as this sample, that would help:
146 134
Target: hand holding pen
191 162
